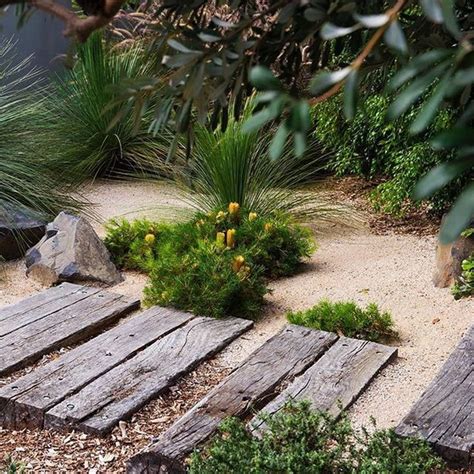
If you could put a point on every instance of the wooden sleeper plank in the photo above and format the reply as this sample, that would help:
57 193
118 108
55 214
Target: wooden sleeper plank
24 402
251 385
119 393
38 300
335 381
444 415
22 318
77 321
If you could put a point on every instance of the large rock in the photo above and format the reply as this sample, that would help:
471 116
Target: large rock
19 230
71 251
448 261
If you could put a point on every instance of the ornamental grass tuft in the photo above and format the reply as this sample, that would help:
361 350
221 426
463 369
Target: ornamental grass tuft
348 319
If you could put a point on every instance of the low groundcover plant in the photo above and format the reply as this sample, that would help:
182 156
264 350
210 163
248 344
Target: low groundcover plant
301 440
215 264
348 319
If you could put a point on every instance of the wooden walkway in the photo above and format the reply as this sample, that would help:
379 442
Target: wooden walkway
330 370
444 415
57 317
105 380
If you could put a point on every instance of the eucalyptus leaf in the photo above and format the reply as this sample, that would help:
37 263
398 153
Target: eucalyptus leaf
459 217
453 138
323 81
417 65
351 94
209 37
263 79
331 31
432 10
395 38
440 176
431 107
409 95
279 140
371 21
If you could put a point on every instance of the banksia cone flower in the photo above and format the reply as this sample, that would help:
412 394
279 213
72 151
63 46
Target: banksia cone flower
150 239
220 239
252 216
234 208
221 215
237 263
268 227
231 238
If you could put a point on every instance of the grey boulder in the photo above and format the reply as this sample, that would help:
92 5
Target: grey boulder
71 251
19 230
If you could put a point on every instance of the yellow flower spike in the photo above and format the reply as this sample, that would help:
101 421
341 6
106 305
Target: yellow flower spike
150 239
268 227
221 215
234 208
237 263
231 238
220 239
252 216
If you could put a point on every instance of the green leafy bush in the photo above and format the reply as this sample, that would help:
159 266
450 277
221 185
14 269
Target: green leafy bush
465 286
205 281
347 318
370 146
300 440
214 264
89 134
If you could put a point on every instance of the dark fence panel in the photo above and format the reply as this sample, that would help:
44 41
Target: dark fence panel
41 35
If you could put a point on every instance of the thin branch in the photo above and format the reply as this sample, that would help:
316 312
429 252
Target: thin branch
392 14
78 27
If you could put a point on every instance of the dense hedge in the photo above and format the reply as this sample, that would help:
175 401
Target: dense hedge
370 146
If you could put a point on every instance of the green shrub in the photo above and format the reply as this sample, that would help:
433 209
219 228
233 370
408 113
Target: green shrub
300 440
89 134
214 264
205 282
345 317
370 146
465 286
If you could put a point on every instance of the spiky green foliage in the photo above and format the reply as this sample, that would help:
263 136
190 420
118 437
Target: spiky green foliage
234 166
300 440
214 264
88 136
346 317
25 181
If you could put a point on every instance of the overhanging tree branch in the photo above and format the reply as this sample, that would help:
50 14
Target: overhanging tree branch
75 26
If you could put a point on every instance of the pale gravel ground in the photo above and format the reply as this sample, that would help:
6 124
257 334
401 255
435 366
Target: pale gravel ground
392 270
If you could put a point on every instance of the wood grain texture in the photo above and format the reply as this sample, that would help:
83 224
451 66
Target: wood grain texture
14 317
24 402
76 321
251 385
119 393
335 381
444 415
